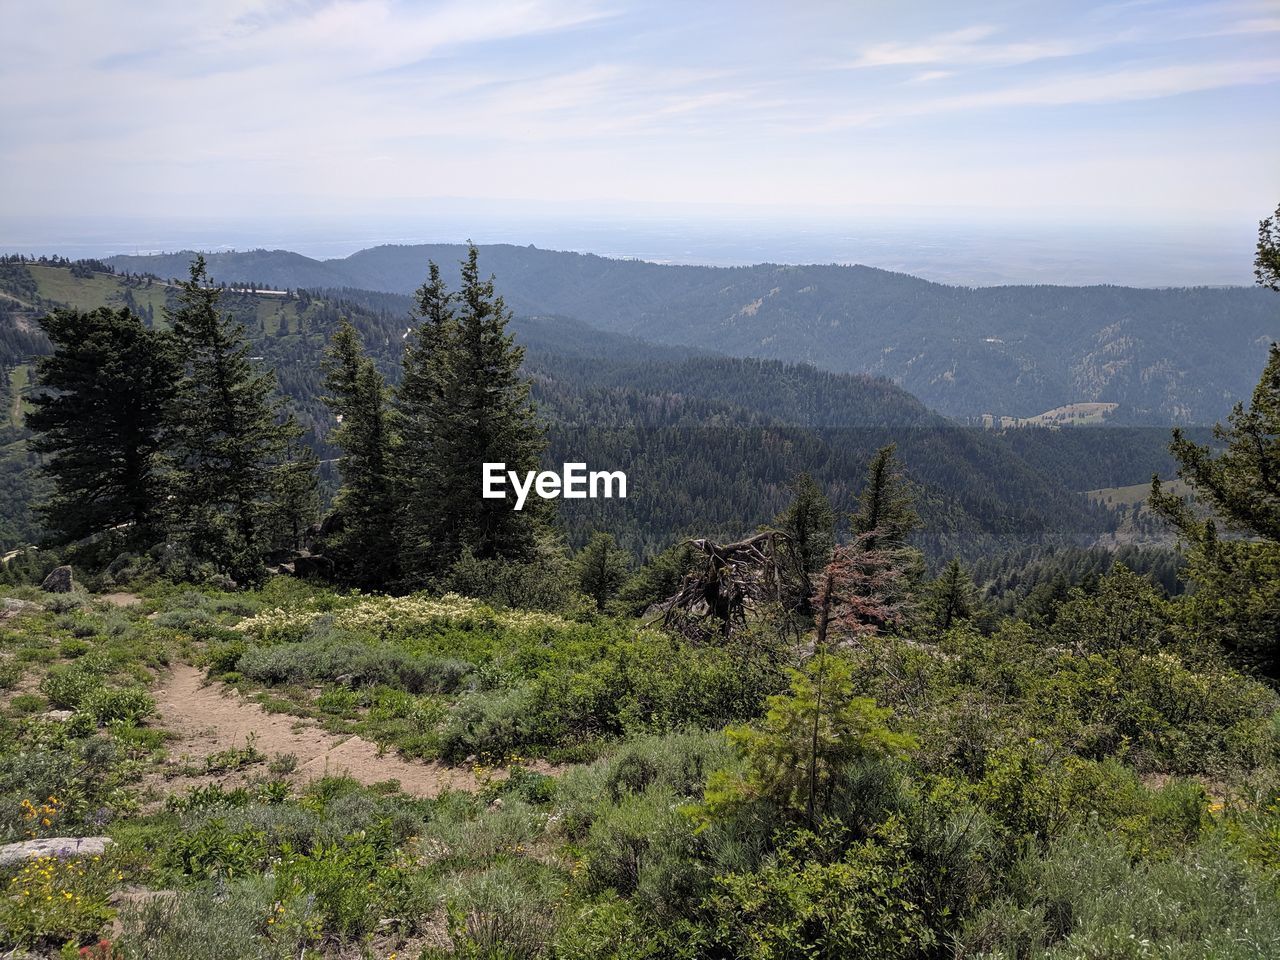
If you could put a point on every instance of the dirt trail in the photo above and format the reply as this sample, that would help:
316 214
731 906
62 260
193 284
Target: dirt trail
121 599
211 718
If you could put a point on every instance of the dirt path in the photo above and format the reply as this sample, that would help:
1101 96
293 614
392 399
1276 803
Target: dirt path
121 599
211 718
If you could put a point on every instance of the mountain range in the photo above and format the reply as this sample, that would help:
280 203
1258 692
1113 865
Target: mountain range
1160 355
709 441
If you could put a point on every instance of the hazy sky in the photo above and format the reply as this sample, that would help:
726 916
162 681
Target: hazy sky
260 108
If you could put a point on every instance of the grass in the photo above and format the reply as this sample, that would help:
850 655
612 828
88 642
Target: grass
1135 494
1005 830
19 381
1067 415
100 290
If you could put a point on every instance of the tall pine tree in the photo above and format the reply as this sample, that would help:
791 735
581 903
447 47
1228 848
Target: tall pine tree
810 524
99 414
229 429
424 404
366 549
886 513
464 403
1238 578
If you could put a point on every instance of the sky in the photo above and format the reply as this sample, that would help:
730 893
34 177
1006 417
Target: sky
1141 111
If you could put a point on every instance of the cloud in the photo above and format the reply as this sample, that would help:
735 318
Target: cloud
1111 86
969 48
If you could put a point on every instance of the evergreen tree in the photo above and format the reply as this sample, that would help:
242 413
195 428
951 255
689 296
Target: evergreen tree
810 524
366 548
465 404
229 429
425 404
952 596
601 569
1238 577
1266 264
886 513
295 495
99 414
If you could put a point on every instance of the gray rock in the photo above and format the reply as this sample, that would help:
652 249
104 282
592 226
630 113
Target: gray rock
59 580
13 607
65 847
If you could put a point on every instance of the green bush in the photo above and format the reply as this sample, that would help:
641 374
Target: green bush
1088 898
69 687
354 664
122 705
806 902
507 911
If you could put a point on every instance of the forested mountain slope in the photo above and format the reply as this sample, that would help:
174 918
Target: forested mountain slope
1176 355
709 441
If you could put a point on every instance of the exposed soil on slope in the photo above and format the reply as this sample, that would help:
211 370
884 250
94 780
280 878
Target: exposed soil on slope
210 718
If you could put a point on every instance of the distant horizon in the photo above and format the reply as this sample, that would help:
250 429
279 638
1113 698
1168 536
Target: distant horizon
944 250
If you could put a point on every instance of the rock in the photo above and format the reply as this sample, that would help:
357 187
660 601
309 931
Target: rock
58 714
53 847
59 580
13 607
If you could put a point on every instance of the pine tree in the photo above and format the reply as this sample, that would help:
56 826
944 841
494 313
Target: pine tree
366 550
465 404
886 514
1238 578
952 596
425 404
99 413
1266 265
810 524
294 495
229 429
601 569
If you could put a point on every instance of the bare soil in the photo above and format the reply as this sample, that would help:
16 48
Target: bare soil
209 718
121 599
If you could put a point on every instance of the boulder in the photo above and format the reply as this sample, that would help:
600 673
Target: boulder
64 847
59 580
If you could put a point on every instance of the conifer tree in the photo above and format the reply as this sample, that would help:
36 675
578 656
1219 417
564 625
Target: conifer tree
366 549
229 428
601 569
810 524
294 494
952 596
1238 578
886 514
465 404
424 404
99 414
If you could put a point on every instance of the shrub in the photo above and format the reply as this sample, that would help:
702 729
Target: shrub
505 911
208 923
124 705
69 687
1088 898
50 901
644 848
807 903
10 673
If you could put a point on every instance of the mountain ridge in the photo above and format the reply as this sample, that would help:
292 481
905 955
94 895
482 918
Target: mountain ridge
1164 355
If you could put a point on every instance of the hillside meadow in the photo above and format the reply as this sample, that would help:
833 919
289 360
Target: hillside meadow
1099 786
